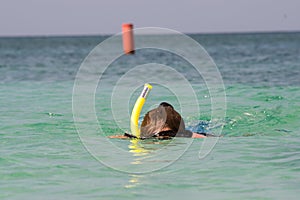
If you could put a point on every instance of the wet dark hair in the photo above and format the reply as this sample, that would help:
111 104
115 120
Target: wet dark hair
163 121
165 104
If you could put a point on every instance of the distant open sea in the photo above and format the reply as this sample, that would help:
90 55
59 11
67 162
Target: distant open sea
258 157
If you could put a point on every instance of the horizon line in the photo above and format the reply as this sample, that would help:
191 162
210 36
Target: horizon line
110 34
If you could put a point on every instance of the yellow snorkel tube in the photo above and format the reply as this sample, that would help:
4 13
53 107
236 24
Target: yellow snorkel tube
136 111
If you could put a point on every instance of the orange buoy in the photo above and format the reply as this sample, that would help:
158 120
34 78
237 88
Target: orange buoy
128 41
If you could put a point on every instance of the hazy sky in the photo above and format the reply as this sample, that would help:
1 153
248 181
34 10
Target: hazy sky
77 17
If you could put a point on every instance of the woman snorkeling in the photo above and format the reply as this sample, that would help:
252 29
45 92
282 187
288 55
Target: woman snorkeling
163 122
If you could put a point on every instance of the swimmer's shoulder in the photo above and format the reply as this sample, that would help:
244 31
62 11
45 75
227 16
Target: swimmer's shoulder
130 136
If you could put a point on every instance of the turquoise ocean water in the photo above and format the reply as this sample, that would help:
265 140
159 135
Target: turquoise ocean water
258 157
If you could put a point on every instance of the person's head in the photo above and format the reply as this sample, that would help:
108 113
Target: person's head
162 121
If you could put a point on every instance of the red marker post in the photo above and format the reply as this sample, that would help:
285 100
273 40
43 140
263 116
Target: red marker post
128 40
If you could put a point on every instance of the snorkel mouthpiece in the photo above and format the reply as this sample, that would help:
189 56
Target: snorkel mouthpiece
136 111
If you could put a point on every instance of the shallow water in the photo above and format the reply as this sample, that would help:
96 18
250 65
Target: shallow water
42 156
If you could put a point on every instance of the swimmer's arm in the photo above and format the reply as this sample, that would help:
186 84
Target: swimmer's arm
197 135
125 136
118 136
